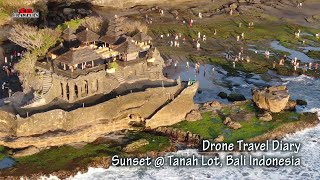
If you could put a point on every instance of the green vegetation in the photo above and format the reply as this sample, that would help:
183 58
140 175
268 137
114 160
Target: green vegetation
314 54
68 157
156 143
64 157
72 24
113 65
210 126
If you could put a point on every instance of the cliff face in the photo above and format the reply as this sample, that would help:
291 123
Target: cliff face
57 127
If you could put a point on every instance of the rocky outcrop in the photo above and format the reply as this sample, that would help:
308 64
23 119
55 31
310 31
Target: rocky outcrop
193 115
181 136
265 117
273 99
231 124
135 145
236 97
58 127
212 105
301 102
218 139
176 110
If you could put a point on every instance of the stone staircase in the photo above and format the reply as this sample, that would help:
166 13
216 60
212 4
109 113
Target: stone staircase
47 83
119 77
46 86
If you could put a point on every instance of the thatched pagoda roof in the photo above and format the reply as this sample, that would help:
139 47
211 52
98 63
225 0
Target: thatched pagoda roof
141 37
68 31
77 56
87 36
69 37
127 47
108 39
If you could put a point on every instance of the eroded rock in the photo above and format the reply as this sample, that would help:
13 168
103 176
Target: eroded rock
135 145
193 115
273 99
265 117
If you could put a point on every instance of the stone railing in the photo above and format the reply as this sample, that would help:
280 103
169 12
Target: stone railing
78 72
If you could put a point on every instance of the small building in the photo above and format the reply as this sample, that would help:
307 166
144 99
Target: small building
77 61
142 40
128 51
87 37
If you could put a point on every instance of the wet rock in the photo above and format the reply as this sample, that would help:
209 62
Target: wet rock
301 102
231 124
193 115
291 105
273 99
242 116
236 97
68 11
218 139
265 117
135 145
223 95
213 104
234 125
227 120
27 152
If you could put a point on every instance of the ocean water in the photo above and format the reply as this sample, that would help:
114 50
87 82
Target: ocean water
301 87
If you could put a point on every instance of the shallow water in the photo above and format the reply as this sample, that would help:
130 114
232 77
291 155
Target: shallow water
300 55
6 163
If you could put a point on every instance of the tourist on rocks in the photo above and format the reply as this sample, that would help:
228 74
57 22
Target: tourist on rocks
187 66
310 65
176 37
204 38
240 24
238 38
242 35
274 64
171 43
234 64
295 67
199 35
175 65
215 32
168 35
178 44
248 59
198 45
191 22
316 66
197 67
305 68
231 12
161 36
184 40
200 15
298 64
318 35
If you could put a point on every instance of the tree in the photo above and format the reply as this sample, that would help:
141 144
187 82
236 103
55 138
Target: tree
131 27
26 36
33 39
93 23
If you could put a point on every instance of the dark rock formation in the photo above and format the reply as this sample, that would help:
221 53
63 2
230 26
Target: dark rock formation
236 97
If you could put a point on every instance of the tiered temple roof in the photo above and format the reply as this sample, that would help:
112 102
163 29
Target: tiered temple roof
79 55
87 36
141 37
68 35
108 39
127 47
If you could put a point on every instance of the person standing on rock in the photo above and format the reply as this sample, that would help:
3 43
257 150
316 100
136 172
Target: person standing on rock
198 45
191 23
